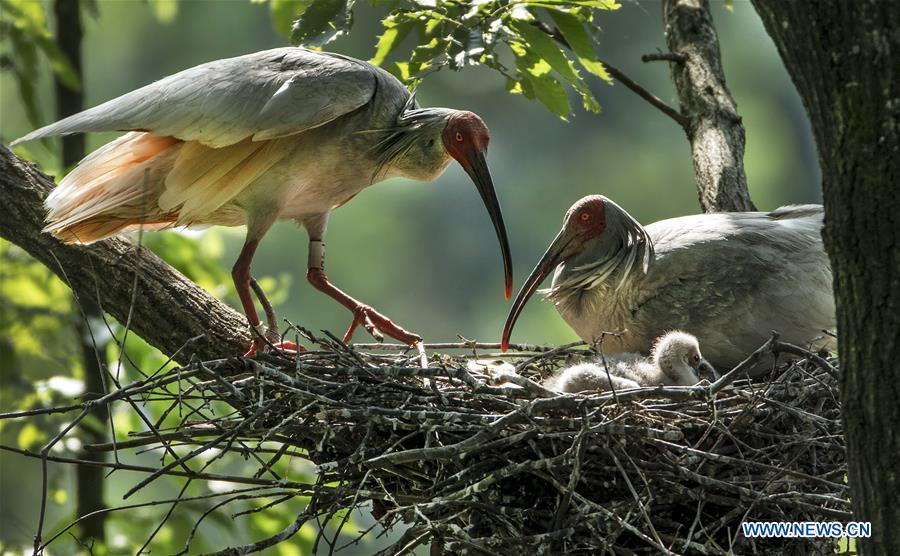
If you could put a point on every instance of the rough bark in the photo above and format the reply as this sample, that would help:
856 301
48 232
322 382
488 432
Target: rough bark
842 57
713 125
166 309
89 480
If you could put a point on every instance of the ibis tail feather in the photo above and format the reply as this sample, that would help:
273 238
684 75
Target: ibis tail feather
113 190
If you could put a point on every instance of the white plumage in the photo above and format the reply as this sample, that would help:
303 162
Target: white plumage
675 361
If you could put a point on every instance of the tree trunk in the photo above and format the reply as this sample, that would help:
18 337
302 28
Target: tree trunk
842 57
129 282
713 125
89 483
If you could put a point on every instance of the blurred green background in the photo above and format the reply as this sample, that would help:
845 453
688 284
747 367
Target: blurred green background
424 254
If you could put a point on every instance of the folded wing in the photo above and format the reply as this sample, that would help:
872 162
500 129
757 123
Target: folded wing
260 96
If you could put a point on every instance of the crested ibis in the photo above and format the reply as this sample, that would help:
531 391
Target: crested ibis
729 278
675 361
287 133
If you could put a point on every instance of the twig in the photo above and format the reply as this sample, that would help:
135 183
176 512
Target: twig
664 57
620 76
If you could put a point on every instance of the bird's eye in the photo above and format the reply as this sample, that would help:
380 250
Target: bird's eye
585 216
459 136
429 143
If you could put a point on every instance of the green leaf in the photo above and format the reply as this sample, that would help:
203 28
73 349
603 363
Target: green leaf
552 94
537 81
572 29
542 45
284 12
393 35
425 53
598 4
322 22
514 86
26 15
29 29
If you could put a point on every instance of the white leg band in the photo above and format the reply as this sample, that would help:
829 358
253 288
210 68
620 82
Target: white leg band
316 256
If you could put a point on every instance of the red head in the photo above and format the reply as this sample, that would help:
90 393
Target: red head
585 220
466 138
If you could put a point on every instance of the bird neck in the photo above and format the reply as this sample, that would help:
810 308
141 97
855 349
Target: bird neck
411 146
672 366
585 280
417 163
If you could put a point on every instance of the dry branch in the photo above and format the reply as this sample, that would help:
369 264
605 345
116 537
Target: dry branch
167 309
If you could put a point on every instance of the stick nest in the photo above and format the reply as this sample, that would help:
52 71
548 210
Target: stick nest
469 465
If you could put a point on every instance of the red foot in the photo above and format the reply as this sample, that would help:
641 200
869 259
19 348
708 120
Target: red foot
286 347
375 323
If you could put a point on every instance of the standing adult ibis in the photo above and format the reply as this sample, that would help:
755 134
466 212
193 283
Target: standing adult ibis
729 279
287 133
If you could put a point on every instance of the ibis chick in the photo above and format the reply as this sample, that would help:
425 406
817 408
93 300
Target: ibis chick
675 361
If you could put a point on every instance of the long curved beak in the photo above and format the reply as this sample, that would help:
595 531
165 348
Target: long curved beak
476 167
553 256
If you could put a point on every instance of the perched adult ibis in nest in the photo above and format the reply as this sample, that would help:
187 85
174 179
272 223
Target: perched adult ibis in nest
728 278
287 133
675 361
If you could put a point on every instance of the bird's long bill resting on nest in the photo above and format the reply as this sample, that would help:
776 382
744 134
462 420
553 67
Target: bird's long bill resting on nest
728 278
287 133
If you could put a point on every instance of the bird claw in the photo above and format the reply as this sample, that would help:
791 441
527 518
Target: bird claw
270 340
375 323
286 348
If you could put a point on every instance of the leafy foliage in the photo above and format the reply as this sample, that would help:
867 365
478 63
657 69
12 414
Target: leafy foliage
534 44
23 27
323 21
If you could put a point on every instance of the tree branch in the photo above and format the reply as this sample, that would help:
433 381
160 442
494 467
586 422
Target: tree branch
713 127
168 309
664 57
620 76
654 100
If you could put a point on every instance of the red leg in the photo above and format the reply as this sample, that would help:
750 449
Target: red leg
272 338
240 273
373 321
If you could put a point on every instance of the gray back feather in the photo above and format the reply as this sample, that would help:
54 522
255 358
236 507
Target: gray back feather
728 278
264 95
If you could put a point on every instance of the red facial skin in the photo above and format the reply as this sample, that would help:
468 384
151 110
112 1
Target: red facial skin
587 218
464 135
